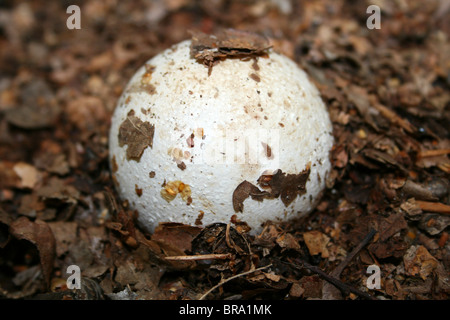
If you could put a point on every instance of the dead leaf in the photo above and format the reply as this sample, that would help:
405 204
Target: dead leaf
393 247
360 98
176 234
418 261
418 191
39 234
65 233
296 290
312 286
391 225
38 108
272 276
288 241
28 174
51 157
317 243
58 189
86 112
31 205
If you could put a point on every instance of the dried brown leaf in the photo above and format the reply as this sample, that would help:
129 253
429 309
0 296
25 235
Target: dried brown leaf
176 234
288 241
39 234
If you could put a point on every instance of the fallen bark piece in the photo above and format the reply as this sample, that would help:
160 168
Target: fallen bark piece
433 206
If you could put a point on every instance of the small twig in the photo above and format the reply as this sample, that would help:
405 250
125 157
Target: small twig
337 272
227 237
394 118
332 292
223 281
200 257
336 282
333 278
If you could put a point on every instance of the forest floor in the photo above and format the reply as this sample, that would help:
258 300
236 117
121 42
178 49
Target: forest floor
387 202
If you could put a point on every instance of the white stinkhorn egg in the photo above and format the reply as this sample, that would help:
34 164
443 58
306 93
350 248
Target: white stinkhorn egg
250 140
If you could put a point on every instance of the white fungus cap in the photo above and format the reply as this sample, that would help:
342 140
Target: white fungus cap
199 137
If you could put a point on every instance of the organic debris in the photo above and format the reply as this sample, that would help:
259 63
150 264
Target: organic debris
227 43
388 193
279 184
138 135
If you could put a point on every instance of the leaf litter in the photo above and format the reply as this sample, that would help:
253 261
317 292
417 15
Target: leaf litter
387 195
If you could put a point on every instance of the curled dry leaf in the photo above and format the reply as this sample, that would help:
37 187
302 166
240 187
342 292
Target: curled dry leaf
40 235
418 191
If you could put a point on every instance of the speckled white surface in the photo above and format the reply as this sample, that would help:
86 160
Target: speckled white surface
229 104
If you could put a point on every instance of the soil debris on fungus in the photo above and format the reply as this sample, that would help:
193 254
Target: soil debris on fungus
172 188
138 135
181 165
227 43
244 190
267 150
146 79
278 184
